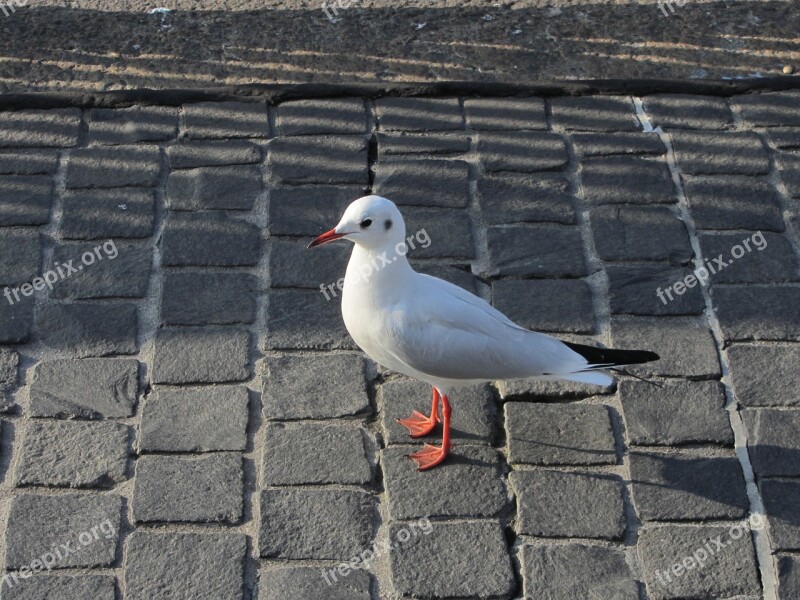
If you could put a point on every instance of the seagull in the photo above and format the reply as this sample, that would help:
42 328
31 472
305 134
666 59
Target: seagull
436 332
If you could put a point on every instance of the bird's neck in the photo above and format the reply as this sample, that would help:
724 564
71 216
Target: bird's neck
373 267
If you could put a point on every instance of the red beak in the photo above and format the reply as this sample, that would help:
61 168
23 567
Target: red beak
326 237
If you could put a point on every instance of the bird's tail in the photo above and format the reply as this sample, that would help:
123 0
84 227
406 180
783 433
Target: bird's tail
605 358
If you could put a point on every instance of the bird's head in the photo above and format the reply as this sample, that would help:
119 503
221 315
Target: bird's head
372 222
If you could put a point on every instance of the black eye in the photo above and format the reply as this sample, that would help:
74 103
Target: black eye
387 225
366 223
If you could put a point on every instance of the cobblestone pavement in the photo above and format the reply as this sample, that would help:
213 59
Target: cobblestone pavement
184 415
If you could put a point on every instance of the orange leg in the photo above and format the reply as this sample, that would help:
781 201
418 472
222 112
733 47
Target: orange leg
418 424
430 456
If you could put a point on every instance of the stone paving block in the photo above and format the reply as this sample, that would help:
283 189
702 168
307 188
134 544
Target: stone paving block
115 126
788 577
208 188
319 159
89 328
209 240
98 214
539 304
201 355
9 364
394 143
685 111
475 552
308 210
686 346
536 251
424 182
304 319
25 200
524 151
773 441
198 298
123 272
16 320
201 566
758 312
671 571
633 290
87 523
780 501
303 583
205 489
765 375
72 454
769 259
562 504
312 117
36 161
86 389
595 113
610 144
680 412
453 274
207 120
513 198
789 170
37 128
559 434
290 265
683 486
20 255
195 419
191 154
627 180
631 233
56 587
318 386
733 203
315 453
498 114
553 572
101 167
784 138
472 419
336 524
470 484
769 109
716 152
450 232
419 114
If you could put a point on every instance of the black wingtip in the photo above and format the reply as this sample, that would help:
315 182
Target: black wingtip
611 357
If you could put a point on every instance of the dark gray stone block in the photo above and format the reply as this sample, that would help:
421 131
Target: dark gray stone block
209 240
308 210
20 255
627 179
536 251
769 109
37 128
199 298
114 126
120 213
292 265
524 151
399 143
610 144
56 587
312 117
634 290
36 161
102 167
780 501
424 182
305 319
449 232
126 275
595 113
514 198
25 200
716 152
765 375
206 120
553 305
788 577
191 154
89 328
201 355
16 320
498 114
684 111
208 188
323 159
419 114
9 365
773 441
631 233
758 312
302 583
787 138
789 170
757 258
733 203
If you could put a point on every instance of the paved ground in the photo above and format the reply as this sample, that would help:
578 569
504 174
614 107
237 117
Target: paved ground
184 415
89 45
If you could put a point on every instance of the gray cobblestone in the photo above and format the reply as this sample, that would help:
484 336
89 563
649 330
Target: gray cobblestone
788 577
127 275
683 111
789 170
424 182
776 108
206 188
39 128
101 167
307 159
784 138
610 144
36 161
39 523
312 454
630 233
733 203
765 375
539 304
773 262
680 412
195 419
595 113
627 179
16 321
555 572
773 441
559 434
207 120
307 210
72 454
208 240
25 200
304 319
201 355
195 297
120 213
314 387
471 484
780 501
89 328
303 583
57 587
131 125
536 251
336 524
205 489
715 152
561 504
201 566
312 117
505 113
290 265
450 231
633 290
524 151
419 114
85 389
513 198
192 154
758 312
9 365
394 143
21 251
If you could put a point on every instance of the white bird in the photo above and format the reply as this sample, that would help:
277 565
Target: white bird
439 333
